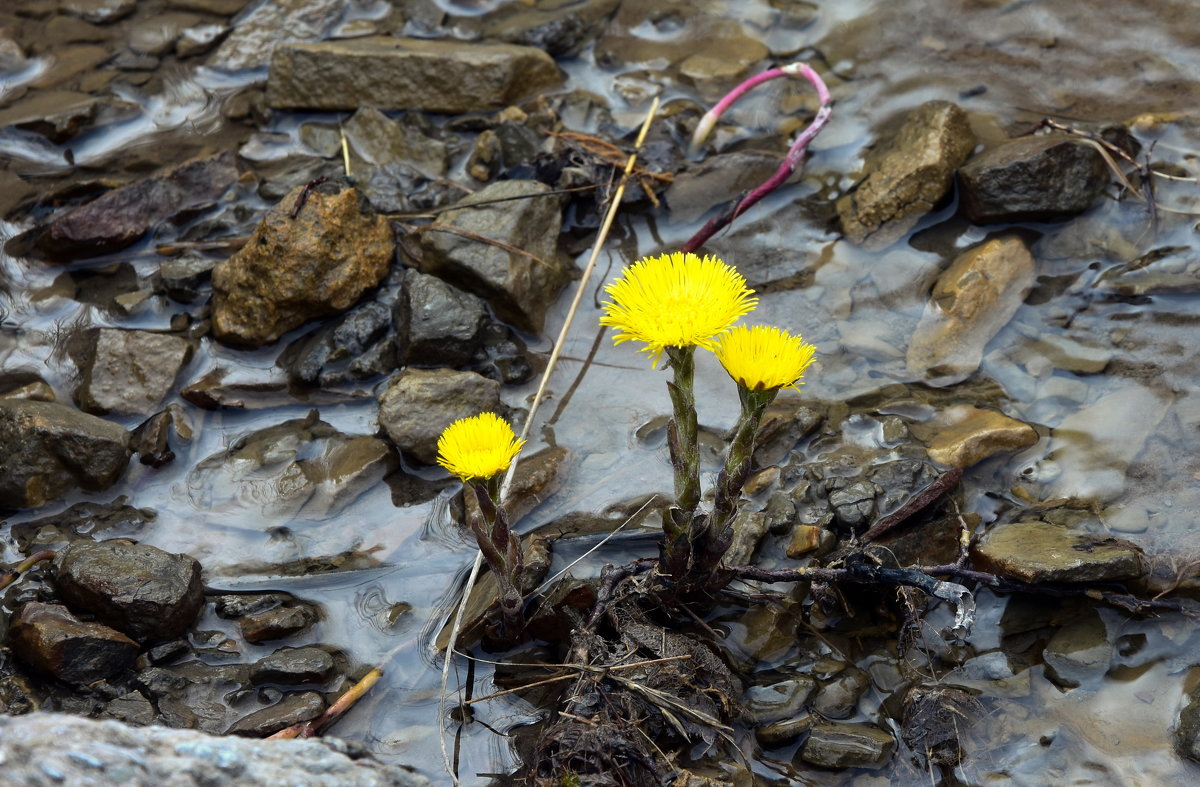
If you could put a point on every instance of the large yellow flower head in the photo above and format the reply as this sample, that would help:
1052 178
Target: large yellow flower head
763 357
676 300
478 447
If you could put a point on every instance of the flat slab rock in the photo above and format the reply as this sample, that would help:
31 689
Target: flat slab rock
1037 552
82 751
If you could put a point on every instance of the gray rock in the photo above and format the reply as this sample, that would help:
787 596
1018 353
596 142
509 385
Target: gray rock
558 28
149 594
294 708
784 424
82 521
449 77
25 384
294 270
715 180
300 469
182 277
194 695
100 12
357 345
278 622
972 300
52 640
129 372
749 527
1079 652
846 746
293 666
1047 178
52 449
382 141
1038 552
120 217
131 708
81 751
1187 730
854 504
418 405
838 698
778 701
907 177
520 289
272 23
444 323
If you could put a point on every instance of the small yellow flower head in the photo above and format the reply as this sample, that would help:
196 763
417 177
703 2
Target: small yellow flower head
478 447
676 300
763 357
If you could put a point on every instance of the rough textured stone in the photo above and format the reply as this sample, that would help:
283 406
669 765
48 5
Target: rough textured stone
292 666
749 527
962 435
129 372
847 746
82 751
972 300
119 218
444 323
556 27
49 638
382 141
419 404
277 622
907 177
518 287
149 594
1045 178
191 695
1040 552
51 449
357 345
272 23
293 270
292 709
1187 730
407 73
1079 652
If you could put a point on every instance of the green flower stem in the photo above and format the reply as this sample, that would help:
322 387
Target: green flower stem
502 550
683 431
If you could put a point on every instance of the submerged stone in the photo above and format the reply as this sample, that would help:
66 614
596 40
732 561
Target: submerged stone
1079 652
294 708
962 435
270 24
1037 552
293 666
847 746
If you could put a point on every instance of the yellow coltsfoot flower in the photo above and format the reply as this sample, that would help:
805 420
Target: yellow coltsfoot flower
763 357
478 447
676 300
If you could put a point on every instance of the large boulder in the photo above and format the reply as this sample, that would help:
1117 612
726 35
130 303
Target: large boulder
50 449
314 254
55 642
450 77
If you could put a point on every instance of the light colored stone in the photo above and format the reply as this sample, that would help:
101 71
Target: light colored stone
962 435
975 297
1037 552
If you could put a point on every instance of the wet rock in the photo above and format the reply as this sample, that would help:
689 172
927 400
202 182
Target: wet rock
248 388
51 449
294 270
356 346
518 287
1036 552
151 439
962 435
716 180
82 521
838 699
12 54
808 538
293 666
183 277
655 35
276 22
198 39
1046 178
449 77
847 746
25 384
784 424
84 751
419 404
194 694
935 721
131 708
398 188
538 476
129 372
277 623
168 652
778 701
149 594
157 36
504 356
1079 652
1187 731
973 299
444 323
292 709
119 218
559 29
749 528
300 469
100 12
1068 353
57 115
907 177
52 640
854 505
785 732
380 140
486 156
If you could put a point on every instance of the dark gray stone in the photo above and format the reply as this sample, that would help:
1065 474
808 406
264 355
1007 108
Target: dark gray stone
356 346
272 23
847 746
193 695
854 505
292 709
51 449
444 323
1048 178
131 708
778 701
382 141
149 594
277 623
293 666
183 277
418 405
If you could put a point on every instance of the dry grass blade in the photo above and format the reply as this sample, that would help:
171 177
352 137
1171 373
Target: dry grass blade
484 239
578 668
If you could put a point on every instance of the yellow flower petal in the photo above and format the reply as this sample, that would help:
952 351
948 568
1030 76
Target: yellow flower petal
478 447
764 357
676 300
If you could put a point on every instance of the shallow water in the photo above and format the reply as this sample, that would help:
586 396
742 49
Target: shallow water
1124 436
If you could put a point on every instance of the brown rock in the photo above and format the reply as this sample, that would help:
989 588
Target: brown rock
1037 552
908 176
962 435
972 300
52 640
294 270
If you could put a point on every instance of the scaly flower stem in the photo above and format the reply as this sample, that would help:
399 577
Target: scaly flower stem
741 450
502 550
795 154
684 444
